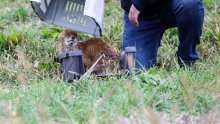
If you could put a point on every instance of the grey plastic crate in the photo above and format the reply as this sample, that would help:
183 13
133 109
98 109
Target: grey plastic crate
72 65
66 13
129 58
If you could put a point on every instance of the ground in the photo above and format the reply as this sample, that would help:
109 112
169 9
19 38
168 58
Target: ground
32 89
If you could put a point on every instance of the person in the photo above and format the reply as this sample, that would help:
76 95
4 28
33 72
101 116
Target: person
145 21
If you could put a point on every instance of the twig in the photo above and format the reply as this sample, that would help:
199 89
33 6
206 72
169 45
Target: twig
92 68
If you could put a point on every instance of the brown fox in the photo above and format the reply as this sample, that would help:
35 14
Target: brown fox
92 49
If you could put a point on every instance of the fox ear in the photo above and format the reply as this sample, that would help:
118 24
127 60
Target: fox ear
61 40
61 37
76 35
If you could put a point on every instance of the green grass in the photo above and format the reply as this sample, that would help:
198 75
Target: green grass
32 90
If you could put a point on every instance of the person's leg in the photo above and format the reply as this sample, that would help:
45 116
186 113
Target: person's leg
146 38
189 16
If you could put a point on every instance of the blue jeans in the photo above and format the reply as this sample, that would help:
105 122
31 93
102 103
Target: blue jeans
186 15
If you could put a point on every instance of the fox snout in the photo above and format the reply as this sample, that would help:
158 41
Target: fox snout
70 41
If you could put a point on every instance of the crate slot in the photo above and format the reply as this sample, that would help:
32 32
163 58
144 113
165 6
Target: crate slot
43 7
48 2
72 14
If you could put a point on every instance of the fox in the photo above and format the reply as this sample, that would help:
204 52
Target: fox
91 49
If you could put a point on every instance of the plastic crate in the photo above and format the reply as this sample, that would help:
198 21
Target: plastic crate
129 58
72 65
67 13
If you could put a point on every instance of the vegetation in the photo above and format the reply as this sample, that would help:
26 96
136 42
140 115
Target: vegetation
32 89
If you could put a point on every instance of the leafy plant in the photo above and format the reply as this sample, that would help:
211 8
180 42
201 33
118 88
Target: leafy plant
3 41
20 14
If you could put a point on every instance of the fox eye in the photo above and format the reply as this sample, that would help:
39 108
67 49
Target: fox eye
73 38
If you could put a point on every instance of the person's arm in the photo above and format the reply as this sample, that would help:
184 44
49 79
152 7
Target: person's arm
137 7
143 4
133 15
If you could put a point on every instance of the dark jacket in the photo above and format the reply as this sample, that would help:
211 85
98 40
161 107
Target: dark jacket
146 7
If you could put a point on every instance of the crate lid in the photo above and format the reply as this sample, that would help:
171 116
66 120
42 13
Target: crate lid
71 14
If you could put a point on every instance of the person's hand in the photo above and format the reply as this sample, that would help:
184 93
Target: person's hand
133 15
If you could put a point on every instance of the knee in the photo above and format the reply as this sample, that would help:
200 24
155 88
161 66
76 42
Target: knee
192 11
191 4
188 4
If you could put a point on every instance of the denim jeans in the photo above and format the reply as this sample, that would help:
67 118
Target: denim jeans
186 15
